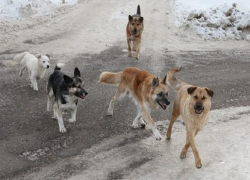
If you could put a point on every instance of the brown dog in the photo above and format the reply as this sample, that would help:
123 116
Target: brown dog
149 92
193 104
134 31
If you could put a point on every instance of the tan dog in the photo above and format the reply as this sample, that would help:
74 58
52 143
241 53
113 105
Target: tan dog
193 104
134 31
149 92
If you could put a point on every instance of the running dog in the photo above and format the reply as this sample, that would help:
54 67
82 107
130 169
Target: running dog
193 104
149 92
64 92
36 65
134 32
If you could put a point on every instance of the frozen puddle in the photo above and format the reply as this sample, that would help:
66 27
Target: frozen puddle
224 147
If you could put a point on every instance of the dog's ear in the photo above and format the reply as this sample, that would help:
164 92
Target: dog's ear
141 19
130 18
164 81
68 80
77 72
48 55
155 83
38 55
210 92
191 89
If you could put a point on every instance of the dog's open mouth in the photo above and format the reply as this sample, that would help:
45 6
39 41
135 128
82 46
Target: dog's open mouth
82 97
199 111
162 106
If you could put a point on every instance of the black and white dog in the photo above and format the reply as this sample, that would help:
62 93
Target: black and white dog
64 92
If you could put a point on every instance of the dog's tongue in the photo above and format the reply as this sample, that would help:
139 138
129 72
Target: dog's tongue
198 111
164 107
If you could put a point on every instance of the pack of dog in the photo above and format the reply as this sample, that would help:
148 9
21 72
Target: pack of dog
149 92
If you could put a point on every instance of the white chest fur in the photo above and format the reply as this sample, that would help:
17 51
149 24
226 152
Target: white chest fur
70 102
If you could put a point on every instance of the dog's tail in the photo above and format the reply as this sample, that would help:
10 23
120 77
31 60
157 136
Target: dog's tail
58 66
110 78
138 10
175 83
19 57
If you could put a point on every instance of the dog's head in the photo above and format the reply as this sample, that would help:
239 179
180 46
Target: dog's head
43 60
135 24
200 98
159 91
75 84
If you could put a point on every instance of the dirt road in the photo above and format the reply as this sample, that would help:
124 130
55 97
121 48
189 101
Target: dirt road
92 37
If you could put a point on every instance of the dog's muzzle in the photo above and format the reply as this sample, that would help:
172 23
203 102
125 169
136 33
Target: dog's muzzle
198 108
163 104
135 31
47 66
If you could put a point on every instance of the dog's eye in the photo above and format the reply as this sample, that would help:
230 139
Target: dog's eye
133 23
203 98
43 61
195 97
138 24
160 94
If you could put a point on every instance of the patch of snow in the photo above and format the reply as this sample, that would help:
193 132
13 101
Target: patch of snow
28 8
214 19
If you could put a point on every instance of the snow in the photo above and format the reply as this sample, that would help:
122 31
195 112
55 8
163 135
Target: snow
224 19
28 8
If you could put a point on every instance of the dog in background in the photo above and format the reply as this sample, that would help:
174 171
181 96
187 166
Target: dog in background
134 32
193 104
36 65
149 92
64 92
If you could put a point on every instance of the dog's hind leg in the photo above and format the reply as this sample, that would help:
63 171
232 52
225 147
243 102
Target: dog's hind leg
60 119
175 115
73 115
54 111
21 70
118 93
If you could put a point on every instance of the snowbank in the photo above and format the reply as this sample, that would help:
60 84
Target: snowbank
215 19
28 8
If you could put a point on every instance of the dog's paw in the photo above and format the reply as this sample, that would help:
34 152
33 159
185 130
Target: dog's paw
72 120
54 117
135 125
62 130
36 89
110 112
129 54
198 163
143 125
183 154
158 136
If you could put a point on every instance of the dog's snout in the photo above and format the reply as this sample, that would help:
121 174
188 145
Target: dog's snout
47 66
86 93
198 106
167 102
135 31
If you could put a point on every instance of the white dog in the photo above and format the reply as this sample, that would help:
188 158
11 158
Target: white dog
36 65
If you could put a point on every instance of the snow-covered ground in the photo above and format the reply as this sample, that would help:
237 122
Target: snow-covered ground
27 8
224 19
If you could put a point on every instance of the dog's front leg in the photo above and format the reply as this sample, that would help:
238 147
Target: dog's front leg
134 45
138 48
146 116
138 121
129 48
73 115
33 82
60 120
191 139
